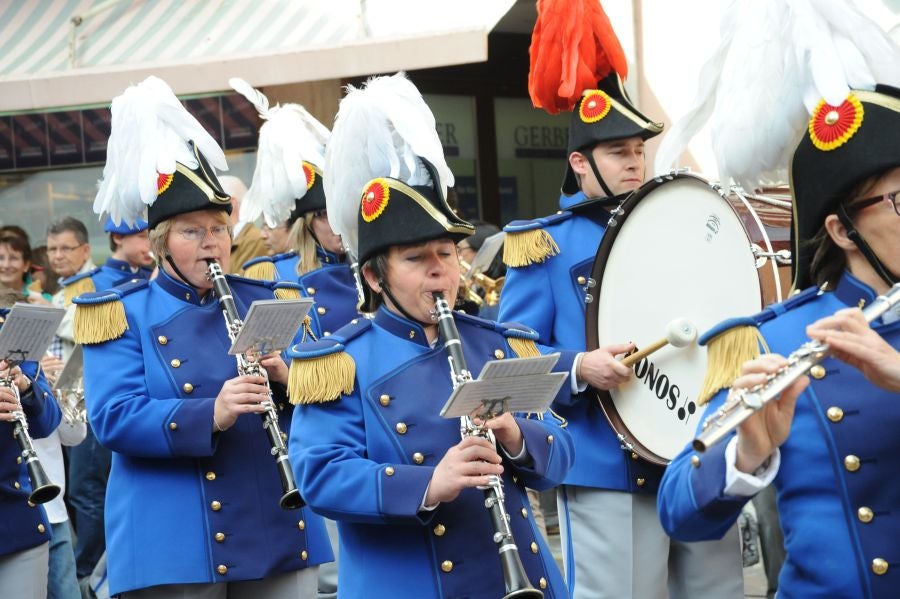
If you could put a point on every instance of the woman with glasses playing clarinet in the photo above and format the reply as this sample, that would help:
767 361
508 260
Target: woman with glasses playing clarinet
829 444
194 492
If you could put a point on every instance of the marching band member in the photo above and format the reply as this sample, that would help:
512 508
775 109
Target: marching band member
607 505
829 445
247 243
192 508
367 443
24 542
288 182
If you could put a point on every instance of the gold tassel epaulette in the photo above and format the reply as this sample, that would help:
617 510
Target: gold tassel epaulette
286 293
725 355
264 270
320 376
524 248
99 317
524 348
76 288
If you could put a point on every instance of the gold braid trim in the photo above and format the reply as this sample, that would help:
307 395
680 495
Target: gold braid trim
307 329
287 293
524 348
322 379
73 290
96 323
725 355
528 247
261 271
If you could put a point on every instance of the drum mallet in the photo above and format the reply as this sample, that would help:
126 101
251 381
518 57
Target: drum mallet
680 332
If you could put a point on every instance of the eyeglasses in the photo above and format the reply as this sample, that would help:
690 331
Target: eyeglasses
866 202
198 234
63 249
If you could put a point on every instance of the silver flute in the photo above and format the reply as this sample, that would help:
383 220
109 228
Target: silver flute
743 403
514 577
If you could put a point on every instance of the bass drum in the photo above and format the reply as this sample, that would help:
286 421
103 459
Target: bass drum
679 248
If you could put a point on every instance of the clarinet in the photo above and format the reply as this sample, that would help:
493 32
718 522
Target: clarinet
514 577
290 498
42 489
743 403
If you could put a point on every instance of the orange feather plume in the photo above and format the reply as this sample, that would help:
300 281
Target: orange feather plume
572 48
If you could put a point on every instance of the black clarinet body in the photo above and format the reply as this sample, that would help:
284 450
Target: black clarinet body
42 490
514 577
290 498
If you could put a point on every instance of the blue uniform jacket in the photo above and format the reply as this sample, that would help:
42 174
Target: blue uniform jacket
549 297
837 518
366 459
113 272
185 505
23 526
285 265
333 288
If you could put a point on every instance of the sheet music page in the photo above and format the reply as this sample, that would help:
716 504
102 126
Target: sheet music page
518 366
270 325
28 331
70 376
488 398
485 255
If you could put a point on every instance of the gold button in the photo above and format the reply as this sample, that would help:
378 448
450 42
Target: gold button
865 514
412 334
385 400
19 460
173 426
321 310
418 458
188 388
695 461
220 536
16 484
534 547
640 481
216 506
581 280
210 476
851 463
817 371
835 414
304 555
301 525
41 528
222 569
162 339
879 566
498 353
634 456
176 363
311 290
832 117
389 471
447 565
187 296
401 428
543 582
439 530
524 513
549 438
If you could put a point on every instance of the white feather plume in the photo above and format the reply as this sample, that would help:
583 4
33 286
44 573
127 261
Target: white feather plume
290 136
150 133
380 130
776 60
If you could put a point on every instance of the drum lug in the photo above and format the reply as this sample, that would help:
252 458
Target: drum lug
590 284
624 444
617 211
781 257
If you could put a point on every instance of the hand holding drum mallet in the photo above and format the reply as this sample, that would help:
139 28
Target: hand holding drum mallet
680 332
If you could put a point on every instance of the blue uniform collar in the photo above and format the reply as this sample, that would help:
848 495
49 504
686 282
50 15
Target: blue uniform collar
401 327
123 266
326 257
178 289
566 202
851 291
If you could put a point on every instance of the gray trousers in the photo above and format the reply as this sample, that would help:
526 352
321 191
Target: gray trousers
328 573
300 584
23 574
614 547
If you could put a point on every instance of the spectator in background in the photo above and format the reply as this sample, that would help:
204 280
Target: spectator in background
43 278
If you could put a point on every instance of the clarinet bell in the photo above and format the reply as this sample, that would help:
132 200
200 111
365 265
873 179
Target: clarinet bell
291 500
43 490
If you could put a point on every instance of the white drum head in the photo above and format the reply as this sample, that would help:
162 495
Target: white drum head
680 252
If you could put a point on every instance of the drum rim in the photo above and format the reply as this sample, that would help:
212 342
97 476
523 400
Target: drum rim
598 268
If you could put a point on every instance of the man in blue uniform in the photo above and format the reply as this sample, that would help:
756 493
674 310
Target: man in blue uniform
193 502
606 507
829 444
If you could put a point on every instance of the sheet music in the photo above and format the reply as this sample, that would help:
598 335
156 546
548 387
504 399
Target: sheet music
486 253
28 331
270 325
516 385
71 375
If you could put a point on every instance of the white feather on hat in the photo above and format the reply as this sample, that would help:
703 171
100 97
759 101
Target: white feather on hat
776 60
289 136
381 130
150 133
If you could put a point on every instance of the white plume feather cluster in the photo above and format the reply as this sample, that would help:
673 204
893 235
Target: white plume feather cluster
775 61
150 133
289 136
381 130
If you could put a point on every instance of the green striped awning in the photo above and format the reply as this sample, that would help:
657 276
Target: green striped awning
75 52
